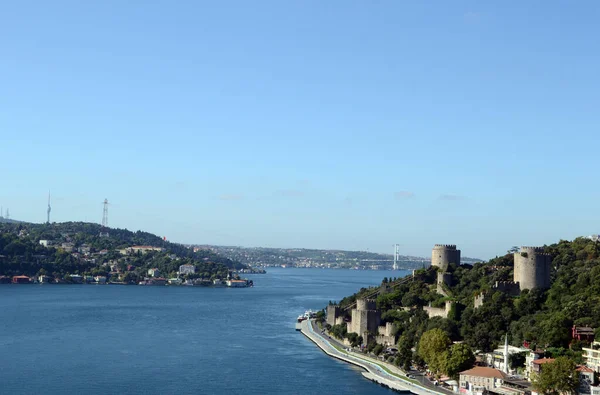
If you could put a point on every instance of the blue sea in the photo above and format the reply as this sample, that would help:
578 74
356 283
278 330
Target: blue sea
110 339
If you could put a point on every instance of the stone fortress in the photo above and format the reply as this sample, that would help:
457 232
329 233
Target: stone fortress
531 270
442 256
365 322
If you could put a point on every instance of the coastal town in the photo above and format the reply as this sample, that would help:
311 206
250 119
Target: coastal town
367 330
78 253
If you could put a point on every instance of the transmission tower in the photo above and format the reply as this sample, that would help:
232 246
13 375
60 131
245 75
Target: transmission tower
49 209
104 229
396 256
7 214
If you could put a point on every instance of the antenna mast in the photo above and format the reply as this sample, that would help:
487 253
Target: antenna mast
49 208
104 229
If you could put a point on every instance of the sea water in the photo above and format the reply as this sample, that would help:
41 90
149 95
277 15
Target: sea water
109 339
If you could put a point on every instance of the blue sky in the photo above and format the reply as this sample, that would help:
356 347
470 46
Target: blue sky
337 124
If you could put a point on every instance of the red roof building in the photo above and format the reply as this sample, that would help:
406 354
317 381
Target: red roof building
584 333
21 280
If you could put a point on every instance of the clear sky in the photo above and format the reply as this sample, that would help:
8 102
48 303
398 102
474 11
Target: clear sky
320 124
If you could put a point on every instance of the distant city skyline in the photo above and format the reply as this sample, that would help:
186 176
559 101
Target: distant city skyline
331 125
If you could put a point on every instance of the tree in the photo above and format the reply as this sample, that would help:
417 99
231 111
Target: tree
432 346
404 352
377 349
558 377
458 358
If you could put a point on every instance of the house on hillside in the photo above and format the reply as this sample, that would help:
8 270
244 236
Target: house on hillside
154 272
582 333
187 269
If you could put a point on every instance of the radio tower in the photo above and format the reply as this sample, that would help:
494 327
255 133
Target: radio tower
104 229
396 256
49 208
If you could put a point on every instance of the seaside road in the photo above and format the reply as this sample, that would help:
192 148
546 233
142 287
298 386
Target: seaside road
419 376
376 370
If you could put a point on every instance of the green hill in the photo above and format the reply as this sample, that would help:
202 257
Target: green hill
543 318
78 248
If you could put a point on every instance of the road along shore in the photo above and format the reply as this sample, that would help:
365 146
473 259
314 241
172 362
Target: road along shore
374 371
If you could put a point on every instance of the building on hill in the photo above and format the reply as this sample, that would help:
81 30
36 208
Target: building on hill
479 380
187 269
538 365
591 356
154 272
584 333
533 355
142 249
587 381
496 357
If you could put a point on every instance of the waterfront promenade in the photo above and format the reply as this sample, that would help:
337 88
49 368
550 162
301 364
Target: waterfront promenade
376 371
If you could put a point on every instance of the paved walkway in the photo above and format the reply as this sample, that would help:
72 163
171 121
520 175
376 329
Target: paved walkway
375 371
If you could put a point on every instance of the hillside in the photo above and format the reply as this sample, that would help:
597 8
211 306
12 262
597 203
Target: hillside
78 248
542 318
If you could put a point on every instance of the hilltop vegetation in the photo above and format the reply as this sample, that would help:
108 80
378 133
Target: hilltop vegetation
77 248
543 318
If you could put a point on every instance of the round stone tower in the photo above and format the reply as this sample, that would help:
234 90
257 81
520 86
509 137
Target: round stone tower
444 254
532 268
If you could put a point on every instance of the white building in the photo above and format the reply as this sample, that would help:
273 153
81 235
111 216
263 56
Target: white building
45 243
154 272
187 269
591 356
496 358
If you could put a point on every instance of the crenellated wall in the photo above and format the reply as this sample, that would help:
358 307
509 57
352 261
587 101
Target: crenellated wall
438 311
386 335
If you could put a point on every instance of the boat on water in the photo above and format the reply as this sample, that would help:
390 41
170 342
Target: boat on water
307 315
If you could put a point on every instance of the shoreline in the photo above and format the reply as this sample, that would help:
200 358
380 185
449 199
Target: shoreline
373 371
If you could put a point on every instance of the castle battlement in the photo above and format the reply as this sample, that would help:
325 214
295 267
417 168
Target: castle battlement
366 304
444 254
446 246
535 250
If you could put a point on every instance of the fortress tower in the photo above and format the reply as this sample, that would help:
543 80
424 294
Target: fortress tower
444 254
365 317
532 268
